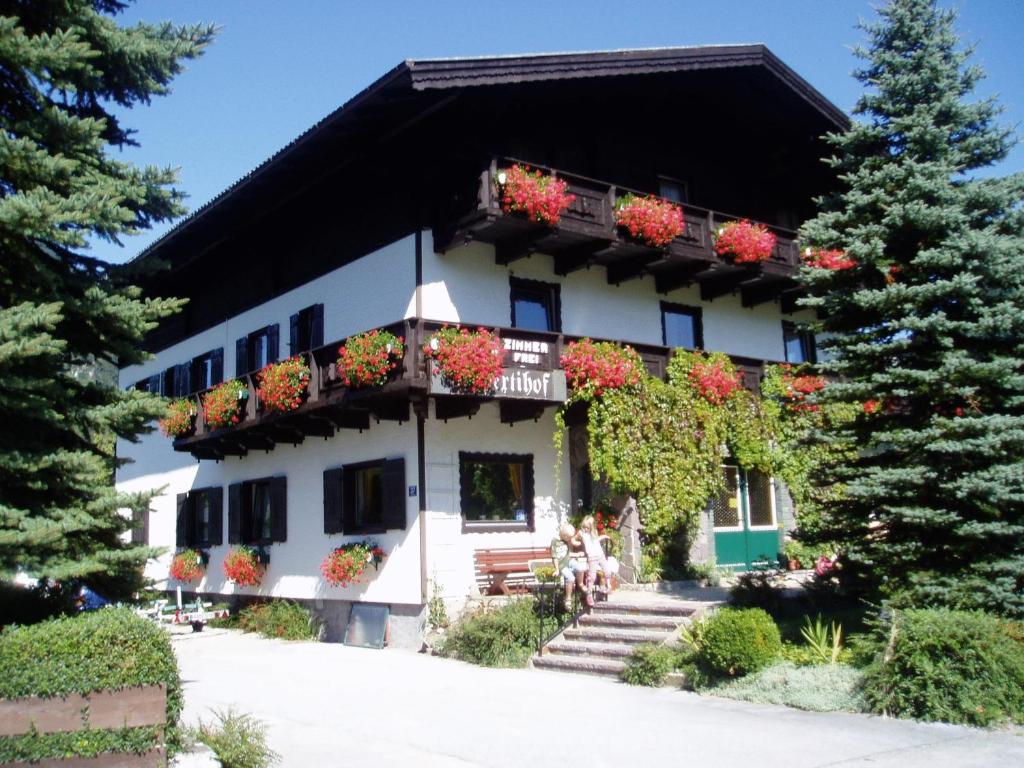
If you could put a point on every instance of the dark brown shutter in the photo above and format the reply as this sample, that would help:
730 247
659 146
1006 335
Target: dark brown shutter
153 384
181 522
241 357
316 331
235 513
279 509
217 366
393 482
183 380
273 343
293 334
348 503
216 516
332 500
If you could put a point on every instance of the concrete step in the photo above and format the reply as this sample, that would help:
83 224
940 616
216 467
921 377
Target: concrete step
631 620
571 648
645 609
609 635
586 665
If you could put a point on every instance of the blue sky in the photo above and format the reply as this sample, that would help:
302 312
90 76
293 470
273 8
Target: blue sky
278 67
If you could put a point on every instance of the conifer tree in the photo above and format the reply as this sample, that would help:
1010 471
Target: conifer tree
925 330
65 67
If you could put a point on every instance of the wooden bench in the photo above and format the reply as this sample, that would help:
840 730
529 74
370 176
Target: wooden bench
503 570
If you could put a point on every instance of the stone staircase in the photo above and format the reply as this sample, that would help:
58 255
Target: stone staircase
607 635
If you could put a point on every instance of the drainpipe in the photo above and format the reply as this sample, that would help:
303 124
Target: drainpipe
421 417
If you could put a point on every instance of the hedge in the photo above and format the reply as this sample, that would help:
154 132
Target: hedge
104 650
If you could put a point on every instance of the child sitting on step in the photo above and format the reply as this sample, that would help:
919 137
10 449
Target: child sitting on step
596 559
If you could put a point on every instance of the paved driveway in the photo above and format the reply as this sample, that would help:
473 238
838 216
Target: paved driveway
329 705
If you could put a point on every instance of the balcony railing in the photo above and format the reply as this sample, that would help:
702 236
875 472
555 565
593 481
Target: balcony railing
331 406
586 235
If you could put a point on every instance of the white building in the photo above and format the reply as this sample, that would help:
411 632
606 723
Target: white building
384 215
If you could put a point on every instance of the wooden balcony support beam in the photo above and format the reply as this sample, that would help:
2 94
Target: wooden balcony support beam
455 407
763 291
517 246
721 282
512 411
577 257
678 276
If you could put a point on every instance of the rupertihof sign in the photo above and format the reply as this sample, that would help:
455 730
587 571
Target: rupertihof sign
530 373
514 383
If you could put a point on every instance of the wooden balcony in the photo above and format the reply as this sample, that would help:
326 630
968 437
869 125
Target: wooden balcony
331 407
586 236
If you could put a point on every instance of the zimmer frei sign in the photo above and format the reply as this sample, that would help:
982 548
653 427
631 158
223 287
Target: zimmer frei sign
531 373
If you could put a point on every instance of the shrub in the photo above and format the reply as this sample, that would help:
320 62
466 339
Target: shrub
505 637
282 619
952 666
822 688
650 665
30 605
735 642
73 655
758 589
239 740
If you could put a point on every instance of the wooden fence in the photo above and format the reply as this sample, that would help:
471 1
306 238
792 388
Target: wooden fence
127 708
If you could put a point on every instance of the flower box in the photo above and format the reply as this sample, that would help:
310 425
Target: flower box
368 359
244 566
744 242
283 386
189 565
222 405
468 361
346 564
540 197
180 419
593 367
650 220
831 259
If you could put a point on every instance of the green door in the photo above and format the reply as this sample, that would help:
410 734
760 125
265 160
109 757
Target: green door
745 525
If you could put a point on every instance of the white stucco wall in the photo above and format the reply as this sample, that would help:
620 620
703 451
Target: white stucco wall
465 285
450 551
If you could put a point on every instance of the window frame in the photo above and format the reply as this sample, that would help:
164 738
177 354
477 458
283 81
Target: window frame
348 494
246 344
241 519
682 186
495 526
312 317
552 295
807 340
215 357
695 313
338 497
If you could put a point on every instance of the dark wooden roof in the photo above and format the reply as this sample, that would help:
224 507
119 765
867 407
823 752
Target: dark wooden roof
415 89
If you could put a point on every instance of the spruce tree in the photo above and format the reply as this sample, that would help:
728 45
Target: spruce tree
926 330
64 68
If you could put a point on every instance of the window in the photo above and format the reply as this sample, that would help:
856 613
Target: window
258 511
672 189
200 518
256 350
536 305
496 491
151 384
681 326
306 329
207 370
366 497
175 381
746 502
798 344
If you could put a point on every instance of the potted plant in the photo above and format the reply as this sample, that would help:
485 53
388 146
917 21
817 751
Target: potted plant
180 419
468 361
222 405
744 241
367 359
282 386
595 366
346 564
243 566
831 259
188 565
651 220
540 197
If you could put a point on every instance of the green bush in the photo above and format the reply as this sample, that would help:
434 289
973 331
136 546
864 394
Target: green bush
107 649
946 665
737 641
818 688
282 619
504 637
650 665
238 740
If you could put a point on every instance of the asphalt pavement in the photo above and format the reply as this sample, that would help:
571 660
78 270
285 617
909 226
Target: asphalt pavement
330 705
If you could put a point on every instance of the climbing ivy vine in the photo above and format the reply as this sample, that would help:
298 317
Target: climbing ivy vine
664 441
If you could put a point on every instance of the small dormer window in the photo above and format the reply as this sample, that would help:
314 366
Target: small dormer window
673 189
